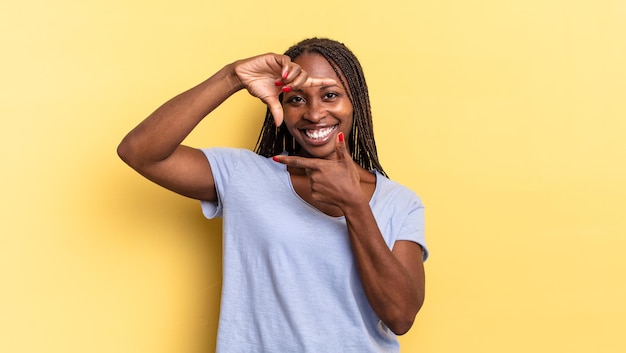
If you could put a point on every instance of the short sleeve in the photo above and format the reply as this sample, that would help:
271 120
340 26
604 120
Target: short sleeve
413 227
223 162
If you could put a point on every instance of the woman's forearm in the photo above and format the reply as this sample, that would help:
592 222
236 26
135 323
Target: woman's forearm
395 291
158 136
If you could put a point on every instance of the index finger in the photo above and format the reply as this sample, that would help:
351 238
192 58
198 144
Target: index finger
319 81
297 162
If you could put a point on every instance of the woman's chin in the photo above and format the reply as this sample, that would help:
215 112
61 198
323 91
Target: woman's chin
323 152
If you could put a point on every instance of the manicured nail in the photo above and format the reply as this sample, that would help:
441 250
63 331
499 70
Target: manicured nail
340 137
275 159
286 89
285 75
278 83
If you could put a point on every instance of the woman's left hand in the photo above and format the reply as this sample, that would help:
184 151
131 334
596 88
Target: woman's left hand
335 182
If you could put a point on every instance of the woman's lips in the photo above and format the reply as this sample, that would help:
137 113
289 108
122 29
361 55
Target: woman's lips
319 135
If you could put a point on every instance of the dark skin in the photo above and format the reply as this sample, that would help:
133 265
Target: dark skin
393 280
323 173
303 184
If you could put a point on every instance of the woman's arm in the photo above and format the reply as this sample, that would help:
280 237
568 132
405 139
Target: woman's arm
154 149
393 280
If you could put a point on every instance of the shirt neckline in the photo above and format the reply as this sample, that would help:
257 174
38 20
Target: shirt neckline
287 179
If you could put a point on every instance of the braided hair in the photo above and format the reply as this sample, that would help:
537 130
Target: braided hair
274 140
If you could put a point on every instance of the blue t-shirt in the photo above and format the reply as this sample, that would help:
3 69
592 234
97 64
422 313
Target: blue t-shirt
290 283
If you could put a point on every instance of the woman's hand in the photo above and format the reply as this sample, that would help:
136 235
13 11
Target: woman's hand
266 76
334 182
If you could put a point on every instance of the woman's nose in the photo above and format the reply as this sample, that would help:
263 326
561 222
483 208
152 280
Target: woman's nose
315 112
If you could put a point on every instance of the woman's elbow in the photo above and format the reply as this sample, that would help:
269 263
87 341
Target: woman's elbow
125 152
401 328
128 153
402 322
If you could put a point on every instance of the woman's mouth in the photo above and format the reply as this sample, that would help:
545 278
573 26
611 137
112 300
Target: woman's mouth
319 135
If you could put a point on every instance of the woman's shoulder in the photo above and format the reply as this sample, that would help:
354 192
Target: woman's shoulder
231 152
389 188
230 159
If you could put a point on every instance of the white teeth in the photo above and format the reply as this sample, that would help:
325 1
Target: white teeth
319 134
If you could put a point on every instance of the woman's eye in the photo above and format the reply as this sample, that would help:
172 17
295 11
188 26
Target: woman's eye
295 99
330 95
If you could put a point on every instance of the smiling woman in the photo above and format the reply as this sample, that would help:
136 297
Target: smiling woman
347 69
315 115
341 268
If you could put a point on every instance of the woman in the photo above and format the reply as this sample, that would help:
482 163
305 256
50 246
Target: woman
322 252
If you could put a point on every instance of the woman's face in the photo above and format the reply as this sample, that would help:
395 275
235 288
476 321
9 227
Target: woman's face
315 115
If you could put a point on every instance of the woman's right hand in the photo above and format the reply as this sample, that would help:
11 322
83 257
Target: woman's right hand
266 76
154 147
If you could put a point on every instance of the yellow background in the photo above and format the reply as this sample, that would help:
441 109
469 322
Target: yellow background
507 117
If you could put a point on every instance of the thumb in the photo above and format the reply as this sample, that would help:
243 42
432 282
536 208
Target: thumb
275 108
342 151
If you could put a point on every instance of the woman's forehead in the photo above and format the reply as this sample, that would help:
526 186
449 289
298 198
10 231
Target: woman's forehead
315 65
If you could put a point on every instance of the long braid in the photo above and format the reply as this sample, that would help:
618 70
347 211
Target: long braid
274 140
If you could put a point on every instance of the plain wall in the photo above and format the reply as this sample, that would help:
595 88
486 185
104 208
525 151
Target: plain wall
507 117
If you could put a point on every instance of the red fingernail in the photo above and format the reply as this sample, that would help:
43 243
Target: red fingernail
278 83
286 89
285 75
275 159
340 137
